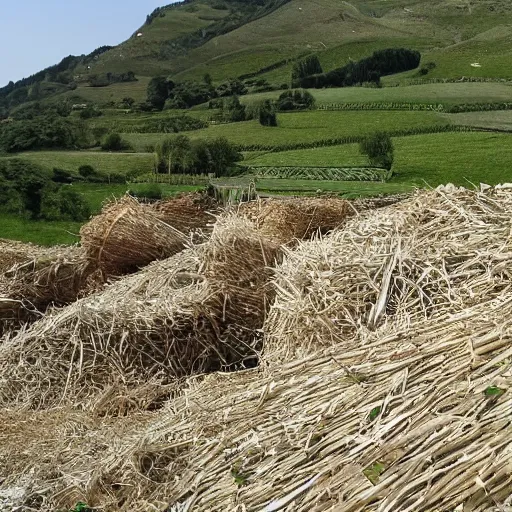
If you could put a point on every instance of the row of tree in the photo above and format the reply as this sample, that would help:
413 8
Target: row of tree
164 92
367 70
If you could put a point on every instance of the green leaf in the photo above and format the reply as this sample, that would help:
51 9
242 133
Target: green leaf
493 391
374 471
374 413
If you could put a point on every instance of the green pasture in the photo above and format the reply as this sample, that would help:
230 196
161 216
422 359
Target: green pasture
303 127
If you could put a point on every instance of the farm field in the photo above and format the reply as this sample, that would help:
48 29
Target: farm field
115 92
119 163
303 127
497 120
435 94
420 160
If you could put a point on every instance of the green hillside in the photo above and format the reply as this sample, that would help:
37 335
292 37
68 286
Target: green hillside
231 38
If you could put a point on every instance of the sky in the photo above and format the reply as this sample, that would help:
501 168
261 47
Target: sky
35 34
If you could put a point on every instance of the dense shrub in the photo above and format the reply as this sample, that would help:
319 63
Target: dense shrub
370 69
230 88
267 114
90 112
61 176
151 191
427 68
64 203
105 79
114 142
378 147
295 100
48 132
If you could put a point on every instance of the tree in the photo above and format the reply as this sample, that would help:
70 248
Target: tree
306 67
158 91
378 147
267 114
295 100
128 102
233 110
207 79
114 142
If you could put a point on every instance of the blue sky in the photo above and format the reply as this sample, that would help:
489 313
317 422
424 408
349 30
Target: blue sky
35 34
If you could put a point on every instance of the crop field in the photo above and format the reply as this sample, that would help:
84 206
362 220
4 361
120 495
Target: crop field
435 94
498 120
321 173
304 127
115 92
119 163
461 158
275 186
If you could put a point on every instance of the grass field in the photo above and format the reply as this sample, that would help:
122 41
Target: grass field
123 163
420 160
56 233
303 127
445 94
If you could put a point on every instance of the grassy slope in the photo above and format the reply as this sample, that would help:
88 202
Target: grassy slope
303 127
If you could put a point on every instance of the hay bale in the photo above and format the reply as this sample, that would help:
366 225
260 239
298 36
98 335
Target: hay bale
129 235
286 220
197 311
436 253
418 420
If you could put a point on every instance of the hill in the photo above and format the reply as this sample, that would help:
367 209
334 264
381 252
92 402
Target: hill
231 38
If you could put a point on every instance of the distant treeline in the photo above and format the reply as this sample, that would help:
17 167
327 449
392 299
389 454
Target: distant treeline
367 70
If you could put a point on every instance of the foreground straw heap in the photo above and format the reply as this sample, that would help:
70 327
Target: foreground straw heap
384 379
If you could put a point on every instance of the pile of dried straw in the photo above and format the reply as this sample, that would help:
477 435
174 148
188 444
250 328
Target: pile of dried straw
129 235
418 420
286 220
438 251
196 311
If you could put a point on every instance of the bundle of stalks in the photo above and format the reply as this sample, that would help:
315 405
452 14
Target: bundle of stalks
187 212
28 289
418 420
129 235
195 312
438 251
286 220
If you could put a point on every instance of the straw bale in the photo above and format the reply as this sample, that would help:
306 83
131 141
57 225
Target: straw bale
128 235
418 420
433 253
286 220
197 311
